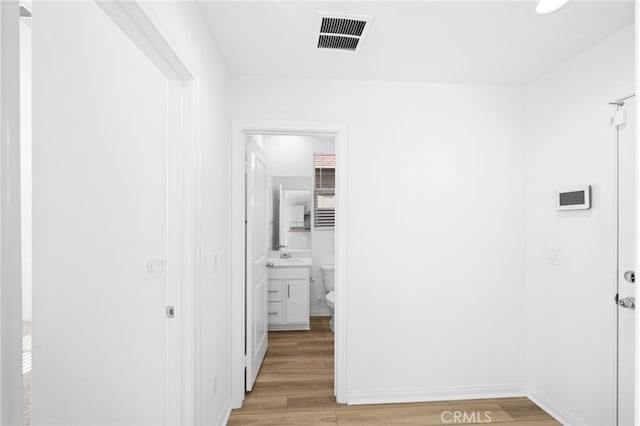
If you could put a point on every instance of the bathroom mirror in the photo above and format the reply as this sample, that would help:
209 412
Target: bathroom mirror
290 213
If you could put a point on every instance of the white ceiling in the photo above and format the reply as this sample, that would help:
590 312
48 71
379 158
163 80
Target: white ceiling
445 41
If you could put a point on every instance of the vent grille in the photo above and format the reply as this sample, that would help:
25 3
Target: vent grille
337 42
341 32
342 26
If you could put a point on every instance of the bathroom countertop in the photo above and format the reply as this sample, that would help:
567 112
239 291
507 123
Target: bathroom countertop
291 262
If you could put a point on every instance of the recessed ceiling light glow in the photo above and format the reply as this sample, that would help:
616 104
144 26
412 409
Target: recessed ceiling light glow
548 6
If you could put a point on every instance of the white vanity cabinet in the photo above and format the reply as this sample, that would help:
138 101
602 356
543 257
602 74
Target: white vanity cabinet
288 298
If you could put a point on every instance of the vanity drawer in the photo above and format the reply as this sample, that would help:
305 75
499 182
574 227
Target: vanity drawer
275 313
275 291
288 273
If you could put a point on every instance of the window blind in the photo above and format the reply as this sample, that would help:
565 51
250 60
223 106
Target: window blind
324 192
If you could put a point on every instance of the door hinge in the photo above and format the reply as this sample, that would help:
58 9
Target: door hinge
619 118
171 311
244 361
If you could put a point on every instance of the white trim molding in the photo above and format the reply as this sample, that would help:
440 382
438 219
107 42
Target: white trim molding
240 128
619 94
225 413
556 411
11 405
432 394
136 21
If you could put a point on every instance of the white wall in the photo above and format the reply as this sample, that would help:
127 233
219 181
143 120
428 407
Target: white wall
435 231
185 30
570 309
290 155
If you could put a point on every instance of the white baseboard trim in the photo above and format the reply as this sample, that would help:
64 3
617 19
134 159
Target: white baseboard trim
445 393
548 405
223 419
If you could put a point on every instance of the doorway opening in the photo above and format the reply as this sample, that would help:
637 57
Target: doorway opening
290 262
287 258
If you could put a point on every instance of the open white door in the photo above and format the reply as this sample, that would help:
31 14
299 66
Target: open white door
626 264
107 170
256 258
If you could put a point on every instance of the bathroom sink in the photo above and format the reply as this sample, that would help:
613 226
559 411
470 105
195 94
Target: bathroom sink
293 261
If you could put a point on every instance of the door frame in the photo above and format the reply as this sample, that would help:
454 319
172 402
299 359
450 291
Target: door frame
241 128
136 20
619 95
11 398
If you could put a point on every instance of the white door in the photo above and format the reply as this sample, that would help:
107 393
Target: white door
626 264
100 197
257 254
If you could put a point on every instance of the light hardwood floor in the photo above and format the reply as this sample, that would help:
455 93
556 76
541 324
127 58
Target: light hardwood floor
295 387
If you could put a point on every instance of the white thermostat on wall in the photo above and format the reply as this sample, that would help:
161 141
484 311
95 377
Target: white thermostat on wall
574 198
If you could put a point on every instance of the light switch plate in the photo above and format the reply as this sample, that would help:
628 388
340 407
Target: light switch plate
155 268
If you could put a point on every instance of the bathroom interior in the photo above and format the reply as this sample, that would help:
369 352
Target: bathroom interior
301 214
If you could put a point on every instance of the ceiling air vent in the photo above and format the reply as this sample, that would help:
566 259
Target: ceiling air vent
337 31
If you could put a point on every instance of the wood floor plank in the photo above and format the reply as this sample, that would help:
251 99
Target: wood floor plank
297 375
315 344
283 344
312 418
418 416
277 352
523 409
309 387
296 335
444 405
293 363
254 404
312 402
549 422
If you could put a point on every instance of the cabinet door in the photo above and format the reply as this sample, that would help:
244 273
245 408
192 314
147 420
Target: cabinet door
297 298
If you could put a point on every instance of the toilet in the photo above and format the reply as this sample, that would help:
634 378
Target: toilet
328 280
